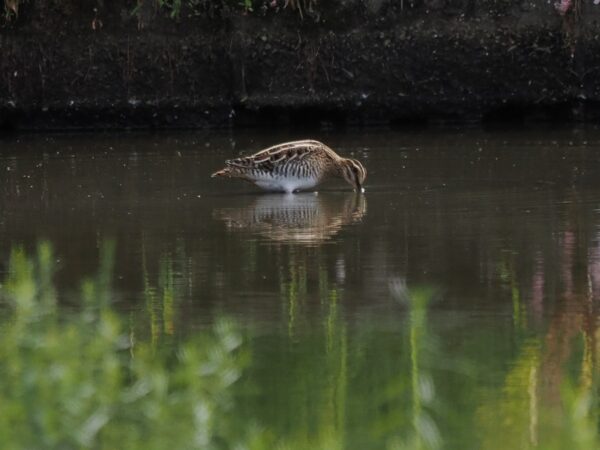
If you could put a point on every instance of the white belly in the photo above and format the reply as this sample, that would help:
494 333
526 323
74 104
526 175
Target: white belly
285 184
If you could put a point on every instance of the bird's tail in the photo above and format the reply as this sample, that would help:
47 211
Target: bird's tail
226 172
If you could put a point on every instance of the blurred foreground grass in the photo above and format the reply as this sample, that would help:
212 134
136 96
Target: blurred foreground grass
77 380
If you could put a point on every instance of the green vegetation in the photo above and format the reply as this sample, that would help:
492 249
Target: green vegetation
11 8
78 380
84 378
175 7
178 8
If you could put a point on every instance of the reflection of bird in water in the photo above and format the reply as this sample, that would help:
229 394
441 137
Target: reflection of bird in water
303 218
294 166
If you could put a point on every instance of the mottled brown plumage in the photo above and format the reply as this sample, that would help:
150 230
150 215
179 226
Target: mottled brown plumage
294 166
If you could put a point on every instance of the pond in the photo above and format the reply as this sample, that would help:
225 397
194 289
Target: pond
453 305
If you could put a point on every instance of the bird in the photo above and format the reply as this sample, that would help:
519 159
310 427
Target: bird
294 166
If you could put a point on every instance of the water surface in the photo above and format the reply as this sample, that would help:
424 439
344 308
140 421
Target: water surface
453 305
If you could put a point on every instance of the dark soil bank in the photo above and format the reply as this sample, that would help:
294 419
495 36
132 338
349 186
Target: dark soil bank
198 63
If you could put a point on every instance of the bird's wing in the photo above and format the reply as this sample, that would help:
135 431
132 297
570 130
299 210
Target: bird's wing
268 158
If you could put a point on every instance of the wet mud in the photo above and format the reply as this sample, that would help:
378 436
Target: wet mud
101 64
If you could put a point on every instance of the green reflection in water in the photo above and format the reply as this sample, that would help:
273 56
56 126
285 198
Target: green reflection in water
160 299
508 276
426 434
373 383
81 380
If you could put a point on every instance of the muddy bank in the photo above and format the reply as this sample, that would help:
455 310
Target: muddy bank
133 64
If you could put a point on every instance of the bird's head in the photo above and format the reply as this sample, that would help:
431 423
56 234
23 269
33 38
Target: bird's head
354 173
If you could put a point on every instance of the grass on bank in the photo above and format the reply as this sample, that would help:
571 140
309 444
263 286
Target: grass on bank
174 8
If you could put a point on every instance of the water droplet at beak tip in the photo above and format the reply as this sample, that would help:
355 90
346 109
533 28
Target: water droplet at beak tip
362 190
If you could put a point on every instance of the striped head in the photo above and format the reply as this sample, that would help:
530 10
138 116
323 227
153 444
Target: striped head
354 173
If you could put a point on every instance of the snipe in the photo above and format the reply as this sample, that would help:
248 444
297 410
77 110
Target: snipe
294 166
